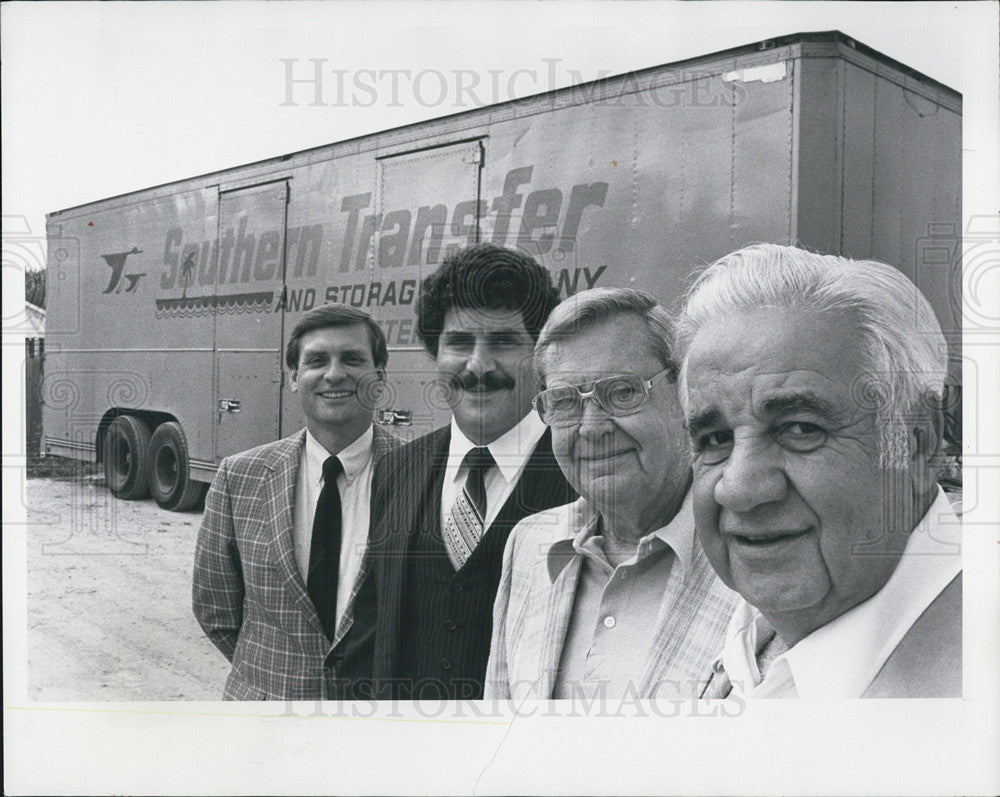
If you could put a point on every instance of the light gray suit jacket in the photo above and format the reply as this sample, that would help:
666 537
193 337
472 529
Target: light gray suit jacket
927 662
534 606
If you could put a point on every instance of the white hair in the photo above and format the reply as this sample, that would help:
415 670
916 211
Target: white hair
903 350
594 306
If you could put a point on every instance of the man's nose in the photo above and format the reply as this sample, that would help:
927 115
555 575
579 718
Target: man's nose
752 475
594 421
481 359
334 371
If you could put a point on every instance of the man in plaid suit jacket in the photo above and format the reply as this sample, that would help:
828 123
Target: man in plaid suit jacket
252 558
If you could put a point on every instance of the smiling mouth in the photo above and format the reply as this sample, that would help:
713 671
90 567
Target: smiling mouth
336 394
763 539
604 457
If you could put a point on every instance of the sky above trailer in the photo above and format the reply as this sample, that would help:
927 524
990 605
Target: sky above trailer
103 99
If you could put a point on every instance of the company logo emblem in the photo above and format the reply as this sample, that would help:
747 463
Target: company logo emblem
117 263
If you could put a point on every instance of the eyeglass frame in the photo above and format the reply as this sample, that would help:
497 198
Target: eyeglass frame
647 386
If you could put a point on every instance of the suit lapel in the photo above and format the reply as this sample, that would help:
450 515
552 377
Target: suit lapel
557 615
382 443
419 512
279 498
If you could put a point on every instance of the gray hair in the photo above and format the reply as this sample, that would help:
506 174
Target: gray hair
587 308
904 354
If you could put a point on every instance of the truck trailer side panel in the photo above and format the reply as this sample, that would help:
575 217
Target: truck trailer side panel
174 304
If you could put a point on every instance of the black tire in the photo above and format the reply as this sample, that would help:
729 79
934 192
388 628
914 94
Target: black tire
169 474
126 458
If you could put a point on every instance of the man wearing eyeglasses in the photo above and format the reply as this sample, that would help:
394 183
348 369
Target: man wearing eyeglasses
609 597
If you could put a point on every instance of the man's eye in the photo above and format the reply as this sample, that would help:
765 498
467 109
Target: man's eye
713 447
505 340
458 342
561 401
801 436
623 392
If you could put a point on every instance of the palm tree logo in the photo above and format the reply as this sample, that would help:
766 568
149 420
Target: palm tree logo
187 271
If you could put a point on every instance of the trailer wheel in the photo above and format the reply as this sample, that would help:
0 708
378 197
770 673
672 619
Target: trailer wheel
170 480
126 457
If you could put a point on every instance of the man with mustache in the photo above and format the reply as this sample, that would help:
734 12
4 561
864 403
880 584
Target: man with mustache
279 557
451 497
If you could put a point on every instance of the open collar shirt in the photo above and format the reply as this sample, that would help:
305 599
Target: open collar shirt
616 608
355 484
842 658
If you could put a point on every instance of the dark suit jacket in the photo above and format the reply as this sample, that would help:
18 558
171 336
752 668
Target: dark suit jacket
408 502
248 594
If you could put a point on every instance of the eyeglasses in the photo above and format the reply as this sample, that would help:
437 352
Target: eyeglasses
617 395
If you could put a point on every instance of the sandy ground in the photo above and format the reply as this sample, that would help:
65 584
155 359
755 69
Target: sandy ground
109 599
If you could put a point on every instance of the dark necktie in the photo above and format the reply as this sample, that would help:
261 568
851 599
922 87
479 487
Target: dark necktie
324 553
466 522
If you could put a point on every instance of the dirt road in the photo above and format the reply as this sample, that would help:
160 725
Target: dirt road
109 599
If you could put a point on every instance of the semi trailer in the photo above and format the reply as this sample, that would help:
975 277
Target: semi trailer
168 308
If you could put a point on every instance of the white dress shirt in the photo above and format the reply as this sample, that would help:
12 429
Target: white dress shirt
355 485
510 452
842 658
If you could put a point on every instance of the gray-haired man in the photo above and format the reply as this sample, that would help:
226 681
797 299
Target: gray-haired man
812 387
609 597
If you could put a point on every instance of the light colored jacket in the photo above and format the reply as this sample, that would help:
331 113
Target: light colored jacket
534 605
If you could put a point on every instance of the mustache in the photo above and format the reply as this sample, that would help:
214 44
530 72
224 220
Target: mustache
491 380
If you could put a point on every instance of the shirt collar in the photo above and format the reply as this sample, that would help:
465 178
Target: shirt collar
841 658
510 451
747 632
678 535
353 457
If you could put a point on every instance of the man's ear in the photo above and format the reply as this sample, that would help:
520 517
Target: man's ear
926 439
293 380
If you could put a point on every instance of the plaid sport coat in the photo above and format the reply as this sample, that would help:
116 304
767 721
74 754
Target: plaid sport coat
248 594
534 605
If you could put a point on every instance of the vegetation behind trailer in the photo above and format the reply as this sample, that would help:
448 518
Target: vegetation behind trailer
169 307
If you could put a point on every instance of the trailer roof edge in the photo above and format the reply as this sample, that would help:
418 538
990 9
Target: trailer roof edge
828 36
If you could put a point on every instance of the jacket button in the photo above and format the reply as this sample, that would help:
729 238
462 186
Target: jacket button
445 664
457 587
451 625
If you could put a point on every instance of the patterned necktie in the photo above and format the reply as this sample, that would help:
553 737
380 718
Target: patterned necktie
324 553
464 526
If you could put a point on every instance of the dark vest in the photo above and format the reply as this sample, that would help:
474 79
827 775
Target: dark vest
448 619
432 626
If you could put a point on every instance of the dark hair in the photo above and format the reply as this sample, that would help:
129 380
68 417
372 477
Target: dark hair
336 315
485 277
